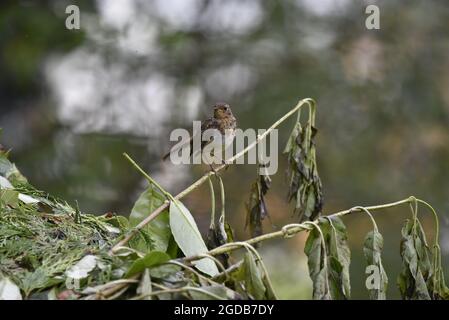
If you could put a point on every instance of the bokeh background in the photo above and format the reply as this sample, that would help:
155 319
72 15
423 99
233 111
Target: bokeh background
71 101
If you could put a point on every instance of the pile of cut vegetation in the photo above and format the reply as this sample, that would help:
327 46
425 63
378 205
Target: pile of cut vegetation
50 250
45 243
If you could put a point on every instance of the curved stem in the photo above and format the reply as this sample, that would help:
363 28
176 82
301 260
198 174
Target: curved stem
323 241
370 216
437 223
212 200
223 201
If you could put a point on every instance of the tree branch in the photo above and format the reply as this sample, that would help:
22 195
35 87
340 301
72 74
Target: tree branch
292 229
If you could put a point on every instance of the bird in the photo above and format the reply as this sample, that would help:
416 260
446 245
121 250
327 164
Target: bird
222 120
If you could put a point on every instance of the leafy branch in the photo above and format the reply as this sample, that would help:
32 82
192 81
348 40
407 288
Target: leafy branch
326 247
290 230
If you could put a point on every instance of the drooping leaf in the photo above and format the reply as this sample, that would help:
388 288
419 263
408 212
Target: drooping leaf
188 237
339 255
216 237
256 209
416 261
156 234
304 182
372 250
219 232
318 265
329 261
253 279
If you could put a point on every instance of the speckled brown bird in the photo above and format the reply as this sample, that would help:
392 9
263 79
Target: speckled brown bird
223 120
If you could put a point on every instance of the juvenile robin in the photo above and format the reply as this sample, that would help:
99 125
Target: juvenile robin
223 120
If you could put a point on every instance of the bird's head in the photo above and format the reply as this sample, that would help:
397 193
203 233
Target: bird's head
222 110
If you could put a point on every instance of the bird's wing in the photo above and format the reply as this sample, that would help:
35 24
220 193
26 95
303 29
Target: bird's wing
190 141
210 123
206 124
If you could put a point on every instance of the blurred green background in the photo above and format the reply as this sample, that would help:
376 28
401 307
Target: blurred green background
71 101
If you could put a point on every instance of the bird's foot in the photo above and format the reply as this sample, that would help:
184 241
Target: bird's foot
213 170
226 163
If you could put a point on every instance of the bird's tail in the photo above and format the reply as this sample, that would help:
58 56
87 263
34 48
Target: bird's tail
165 157
190 142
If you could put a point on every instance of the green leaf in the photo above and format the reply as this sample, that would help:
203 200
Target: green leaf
156 234
120 222
256 209
329 261
304 182
9 197
172 249
339 251
164 271
372 250
415 278
34 280
152 259
188 237
317 262
253 280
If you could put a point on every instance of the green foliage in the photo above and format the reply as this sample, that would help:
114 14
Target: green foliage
422 276
256 209
329 258
150 260
40 241
304 182
188 237
156 234
417 266
372 249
